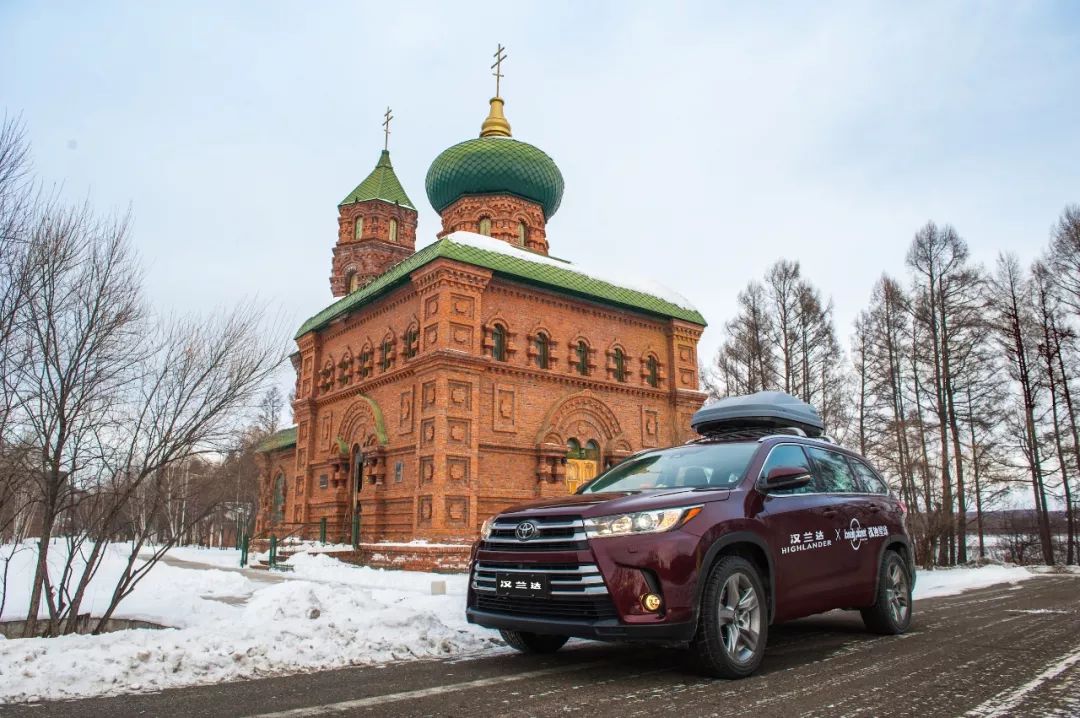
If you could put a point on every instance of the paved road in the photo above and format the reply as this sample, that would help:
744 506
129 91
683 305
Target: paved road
1000 651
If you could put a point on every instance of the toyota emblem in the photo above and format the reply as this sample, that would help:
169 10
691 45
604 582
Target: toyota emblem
525 530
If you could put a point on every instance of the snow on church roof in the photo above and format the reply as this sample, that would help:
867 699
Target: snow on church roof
508 261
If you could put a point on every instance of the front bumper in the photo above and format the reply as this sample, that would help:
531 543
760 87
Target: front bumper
605 629
596 585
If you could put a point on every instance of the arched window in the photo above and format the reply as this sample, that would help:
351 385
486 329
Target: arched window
485 226
582 363
652 371
543 351
498 342
523 233
393 230
278 510
412 342
620 364
573 449
345 369
326 376
357 469
387 358
365 362
592 451
358 227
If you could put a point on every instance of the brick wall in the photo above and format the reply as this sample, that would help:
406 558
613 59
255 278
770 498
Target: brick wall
452 434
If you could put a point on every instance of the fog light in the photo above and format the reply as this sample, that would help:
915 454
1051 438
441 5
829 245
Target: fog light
651 602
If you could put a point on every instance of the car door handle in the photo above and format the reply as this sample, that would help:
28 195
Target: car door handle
874 508
829 513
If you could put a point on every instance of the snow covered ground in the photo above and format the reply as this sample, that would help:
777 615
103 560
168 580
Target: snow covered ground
232 625
951 581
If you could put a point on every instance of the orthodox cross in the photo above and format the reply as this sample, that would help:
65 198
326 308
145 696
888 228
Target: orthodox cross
499 56
386 129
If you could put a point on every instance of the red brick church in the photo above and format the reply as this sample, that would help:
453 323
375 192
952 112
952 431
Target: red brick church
448 383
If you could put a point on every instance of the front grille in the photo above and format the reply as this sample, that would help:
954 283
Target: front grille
577 590
589 609
525 546
552 533
570 580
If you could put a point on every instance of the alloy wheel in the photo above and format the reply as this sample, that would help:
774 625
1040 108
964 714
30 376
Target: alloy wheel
740 617
896 593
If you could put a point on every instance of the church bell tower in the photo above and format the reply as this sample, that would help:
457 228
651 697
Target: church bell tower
376 226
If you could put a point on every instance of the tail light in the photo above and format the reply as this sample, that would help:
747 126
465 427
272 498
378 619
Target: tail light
903 506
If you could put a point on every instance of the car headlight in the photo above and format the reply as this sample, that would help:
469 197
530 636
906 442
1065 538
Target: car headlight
640 522
485 530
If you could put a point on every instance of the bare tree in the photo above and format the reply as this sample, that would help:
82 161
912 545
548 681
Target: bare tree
1015 328
747 362
16 199
99 399
1064 257
783 281
947 295
1047 312
268 419
190 399
83 316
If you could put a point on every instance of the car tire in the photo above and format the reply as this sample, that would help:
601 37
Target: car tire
533 642
891 613
733 620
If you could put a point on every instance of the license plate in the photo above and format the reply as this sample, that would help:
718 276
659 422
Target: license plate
530 585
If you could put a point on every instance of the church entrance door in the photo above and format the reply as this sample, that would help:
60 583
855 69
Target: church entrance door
582 463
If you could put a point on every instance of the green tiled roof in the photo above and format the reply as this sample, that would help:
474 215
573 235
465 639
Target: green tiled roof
489 165
382 184
540 273
278 440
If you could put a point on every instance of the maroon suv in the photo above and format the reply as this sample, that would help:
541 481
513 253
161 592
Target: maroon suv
703 545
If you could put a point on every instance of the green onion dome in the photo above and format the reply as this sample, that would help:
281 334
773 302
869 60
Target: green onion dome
495 163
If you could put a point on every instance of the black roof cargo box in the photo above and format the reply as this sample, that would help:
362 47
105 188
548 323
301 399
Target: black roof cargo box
765 409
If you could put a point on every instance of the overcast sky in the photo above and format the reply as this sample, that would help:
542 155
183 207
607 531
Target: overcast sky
699 142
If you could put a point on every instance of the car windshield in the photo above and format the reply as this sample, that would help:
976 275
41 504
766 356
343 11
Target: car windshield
694 466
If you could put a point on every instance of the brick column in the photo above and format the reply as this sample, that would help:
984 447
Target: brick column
449 390
686 398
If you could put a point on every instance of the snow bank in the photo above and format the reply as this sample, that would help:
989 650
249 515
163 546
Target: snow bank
320 567
951 581
325 615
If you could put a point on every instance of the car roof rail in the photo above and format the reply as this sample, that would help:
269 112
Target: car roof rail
747 433
783 433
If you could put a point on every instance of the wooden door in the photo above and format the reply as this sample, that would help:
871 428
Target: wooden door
578 471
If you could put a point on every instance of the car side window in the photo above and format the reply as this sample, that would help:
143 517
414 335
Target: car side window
870 481
833 472
789 455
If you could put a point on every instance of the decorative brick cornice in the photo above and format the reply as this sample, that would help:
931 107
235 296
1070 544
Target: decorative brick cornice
447 272
684 330
500 285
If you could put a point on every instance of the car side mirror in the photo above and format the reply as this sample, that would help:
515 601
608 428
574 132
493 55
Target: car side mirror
786 477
